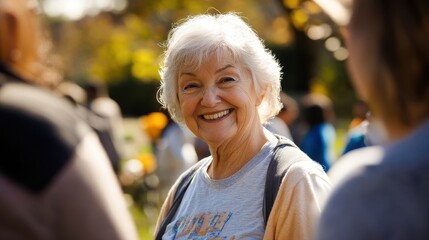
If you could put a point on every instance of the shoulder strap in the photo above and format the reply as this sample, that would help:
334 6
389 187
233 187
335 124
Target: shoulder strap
178 196
275 173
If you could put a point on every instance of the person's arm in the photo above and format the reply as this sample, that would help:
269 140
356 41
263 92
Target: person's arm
297 208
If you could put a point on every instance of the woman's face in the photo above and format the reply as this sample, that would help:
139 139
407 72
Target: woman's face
218 100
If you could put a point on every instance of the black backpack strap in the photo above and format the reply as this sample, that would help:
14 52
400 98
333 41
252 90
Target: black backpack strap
178 196
275 173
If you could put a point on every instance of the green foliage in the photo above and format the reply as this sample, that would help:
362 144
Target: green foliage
142 225
124 49
332 75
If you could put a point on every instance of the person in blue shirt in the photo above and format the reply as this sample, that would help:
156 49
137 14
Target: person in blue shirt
319 139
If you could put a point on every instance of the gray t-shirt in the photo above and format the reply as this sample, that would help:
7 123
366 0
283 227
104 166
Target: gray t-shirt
229 208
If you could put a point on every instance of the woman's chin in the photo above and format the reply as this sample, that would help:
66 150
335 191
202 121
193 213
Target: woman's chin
216 137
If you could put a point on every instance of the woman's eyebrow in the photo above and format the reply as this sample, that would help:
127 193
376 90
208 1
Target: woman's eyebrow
217 71
187 73
223 68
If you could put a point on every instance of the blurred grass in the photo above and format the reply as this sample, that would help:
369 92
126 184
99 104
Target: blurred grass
341 129
144 228
143 210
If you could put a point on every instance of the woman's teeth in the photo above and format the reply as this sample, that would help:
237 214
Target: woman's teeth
216 115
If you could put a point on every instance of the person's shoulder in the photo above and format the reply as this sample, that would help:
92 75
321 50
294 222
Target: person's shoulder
352 208
355 162
377 190
357 176
36 105
39 133
277 126
307 170
289 151
300 164
409 153
377 171
367 187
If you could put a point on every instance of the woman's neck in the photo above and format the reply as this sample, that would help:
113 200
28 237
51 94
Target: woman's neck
231 156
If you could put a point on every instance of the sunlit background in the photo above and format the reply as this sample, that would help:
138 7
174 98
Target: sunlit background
77 9
118 42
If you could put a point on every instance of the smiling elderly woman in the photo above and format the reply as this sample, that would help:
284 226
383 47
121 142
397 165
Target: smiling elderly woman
219 80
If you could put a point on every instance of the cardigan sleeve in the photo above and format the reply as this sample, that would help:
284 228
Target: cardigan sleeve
297 208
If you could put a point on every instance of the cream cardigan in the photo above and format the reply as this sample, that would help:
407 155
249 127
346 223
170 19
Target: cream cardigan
296 210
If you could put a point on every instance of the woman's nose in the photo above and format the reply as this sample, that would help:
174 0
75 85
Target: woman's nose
210 97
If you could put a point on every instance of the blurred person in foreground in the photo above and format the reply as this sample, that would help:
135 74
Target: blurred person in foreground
220 80
389 65
55 179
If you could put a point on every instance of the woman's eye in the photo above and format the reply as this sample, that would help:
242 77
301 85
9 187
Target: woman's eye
189 86
227 79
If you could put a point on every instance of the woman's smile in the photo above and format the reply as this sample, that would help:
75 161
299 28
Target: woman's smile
217 116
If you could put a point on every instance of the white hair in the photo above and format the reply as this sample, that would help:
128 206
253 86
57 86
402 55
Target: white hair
193 40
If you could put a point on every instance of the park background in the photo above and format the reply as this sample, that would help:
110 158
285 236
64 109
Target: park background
119 43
